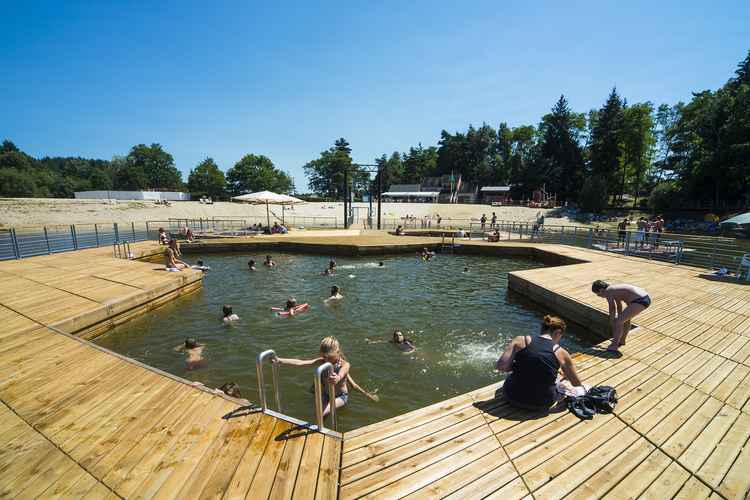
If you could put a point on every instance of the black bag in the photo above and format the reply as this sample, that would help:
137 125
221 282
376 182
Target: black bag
603 398
599 399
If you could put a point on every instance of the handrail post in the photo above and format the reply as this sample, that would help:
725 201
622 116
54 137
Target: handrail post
46 239
96 232
261 381
132 226
319 371
117 233
14 240
74 236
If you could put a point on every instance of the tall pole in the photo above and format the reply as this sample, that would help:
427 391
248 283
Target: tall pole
346 198
381 171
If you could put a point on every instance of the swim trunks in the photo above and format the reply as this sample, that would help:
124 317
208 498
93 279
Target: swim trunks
645 301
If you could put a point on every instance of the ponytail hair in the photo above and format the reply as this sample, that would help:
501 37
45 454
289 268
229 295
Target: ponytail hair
553 323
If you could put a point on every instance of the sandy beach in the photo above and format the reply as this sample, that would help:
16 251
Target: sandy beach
39 211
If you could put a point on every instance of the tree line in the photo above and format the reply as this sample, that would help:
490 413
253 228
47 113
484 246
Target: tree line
694 154
144 167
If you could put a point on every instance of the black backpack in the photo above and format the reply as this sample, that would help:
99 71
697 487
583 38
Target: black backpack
599 399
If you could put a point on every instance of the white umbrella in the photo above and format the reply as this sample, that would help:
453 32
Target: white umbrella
267 198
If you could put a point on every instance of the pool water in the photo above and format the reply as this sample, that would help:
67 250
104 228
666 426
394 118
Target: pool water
460 322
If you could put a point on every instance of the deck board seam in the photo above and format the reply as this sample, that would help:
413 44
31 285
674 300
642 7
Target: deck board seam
54 445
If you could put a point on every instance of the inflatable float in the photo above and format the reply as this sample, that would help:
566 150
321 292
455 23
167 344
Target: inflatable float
297 309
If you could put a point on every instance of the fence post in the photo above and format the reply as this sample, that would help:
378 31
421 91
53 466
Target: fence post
96 233
46 238
14 239
148 234
132 226
591 237
73 235
117 233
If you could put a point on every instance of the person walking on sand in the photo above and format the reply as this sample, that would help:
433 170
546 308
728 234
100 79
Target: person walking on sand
636 300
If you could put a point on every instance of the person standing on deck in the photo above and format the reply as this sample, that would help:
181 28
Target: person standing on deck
483 220
636 300
493 221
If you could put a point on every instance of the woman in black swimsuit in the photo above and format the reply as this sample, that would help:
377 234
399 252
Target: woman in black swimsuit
636 300
534 363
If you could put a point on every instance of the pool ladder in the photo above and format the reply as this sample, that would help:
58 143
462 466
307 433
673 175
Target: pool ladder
320 372
121 250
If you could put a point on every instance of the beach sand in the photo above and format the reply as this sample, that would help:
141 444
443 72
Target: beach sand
38 211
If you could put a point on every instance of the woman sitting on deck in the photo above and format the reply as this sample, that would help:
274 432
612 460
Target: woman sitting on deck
534 363
170 258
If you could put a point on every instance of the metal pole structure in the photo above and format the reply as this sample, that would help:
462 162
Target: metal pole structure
46 239
117 232
73 235
322 369
346 198
96 233
14 239
132 226
381 172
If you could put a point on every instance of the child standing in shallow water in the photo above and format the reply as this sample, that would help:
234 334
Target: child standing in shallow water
330 351
229 315
193 353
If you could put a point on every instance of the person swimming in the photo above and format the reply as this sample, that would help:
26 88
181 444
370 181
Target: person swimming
269 262
332 265
291 306
466 269
380 264
328 271
335 295
402 342
228 314
251 265
193 353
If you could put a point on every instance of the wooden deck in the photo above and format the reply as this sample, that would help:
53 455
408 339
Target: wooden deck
77 420
681 428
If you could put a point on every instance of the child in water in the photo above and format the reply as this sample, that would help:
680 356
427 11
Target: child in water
229 316
335 295
193 353
330 351
291 305
269 262
251 265
402 342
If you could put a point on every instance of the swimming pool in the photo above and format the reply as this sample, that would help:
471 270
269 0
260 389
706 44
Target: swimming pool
460 322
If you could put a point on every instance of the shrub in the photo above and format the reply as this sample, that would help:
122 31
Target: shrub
664 196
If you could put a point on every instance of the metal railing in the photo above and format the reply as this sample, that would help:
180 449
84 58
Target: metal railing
319 373
270 353
709 252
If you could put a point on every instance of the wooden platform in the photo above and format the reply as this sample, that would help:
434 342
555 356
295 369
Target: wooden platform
681 428
76 420
79 421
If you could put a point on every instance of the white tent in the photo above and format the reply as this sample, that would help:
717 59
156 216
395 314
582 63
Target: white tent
267 198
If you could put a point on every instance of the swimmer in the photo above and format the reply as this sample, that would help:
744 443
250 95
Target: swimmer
380 264
231 389
332 265
330 351
291 305
634 297
335 295
229 316
402 342
269 262
251 265
466 269
328 271
193 353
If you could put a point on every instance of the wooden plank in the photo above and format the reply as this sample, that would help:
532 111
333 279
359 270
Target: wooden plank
667 485
697 451
721 460
488 483
307 476
328 477
693 489
286 473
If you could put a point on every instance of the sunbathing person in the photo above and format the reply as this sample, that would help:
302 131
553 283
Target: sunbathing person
636 300
534 363
170 258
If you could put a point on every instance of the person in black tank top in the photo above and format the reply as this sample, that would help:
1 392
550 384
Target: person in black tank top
534 363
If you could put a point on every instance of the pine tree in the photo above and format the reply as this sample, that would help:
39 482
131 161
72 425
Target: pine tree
605 141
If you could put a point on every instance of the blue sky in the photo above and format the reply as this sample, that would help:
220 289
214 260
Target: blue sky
223 79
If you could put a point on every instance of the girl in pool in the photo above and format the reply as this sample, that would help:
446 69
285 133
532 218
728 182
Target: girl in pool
402 342
269 262
335 295
229 316
251 265
330 351
193 353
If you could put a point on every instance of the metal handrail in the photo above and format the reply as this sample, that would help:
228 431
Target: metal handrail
261 381
319 372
